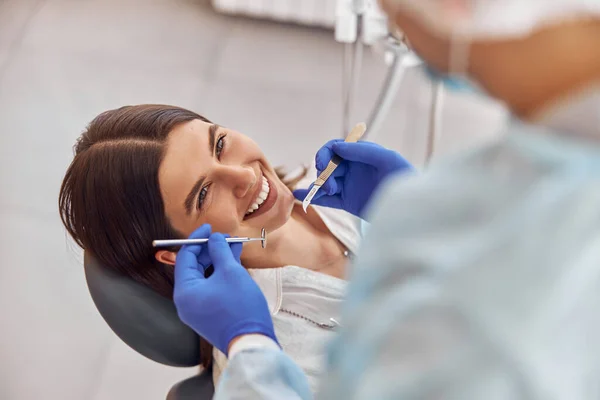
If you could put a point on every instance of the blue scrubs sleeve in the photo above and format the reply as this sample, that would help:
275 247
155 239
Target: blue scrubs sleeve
264 374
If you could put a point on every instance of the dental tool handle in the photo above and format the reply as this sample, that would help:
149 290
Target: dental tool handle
353 137
181 242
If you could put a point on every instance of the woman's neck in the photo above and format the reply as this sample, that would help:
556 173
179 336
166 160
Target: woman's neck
304 241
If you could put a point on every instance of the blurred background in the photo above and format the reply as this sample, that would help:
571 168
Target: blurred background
272 71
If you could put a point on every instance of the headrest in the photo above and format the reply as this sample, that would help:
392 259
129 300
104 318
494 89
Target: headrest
146 321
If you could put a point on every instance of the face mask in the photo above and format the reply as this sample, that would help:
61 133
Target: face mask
494 19
457 80
452 83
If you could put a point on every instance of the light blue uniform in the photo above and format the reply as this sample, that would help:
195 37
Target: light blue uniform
478 280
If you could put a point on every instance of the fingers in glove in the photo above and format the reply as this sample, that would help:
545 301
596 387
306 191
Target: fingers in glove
188 264
201 233
340 170
300 194
236 250
220 252
331 186
187 268
365 152
325 154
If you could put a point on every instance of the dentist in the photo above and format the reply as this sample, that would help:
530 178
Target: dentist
480 278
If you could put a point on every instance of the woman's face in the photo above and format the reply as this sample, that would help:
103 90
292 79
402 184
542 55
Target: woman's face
216 175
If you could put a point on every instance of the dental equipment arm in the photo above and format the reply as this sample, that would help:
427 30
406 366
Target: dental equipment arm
359 23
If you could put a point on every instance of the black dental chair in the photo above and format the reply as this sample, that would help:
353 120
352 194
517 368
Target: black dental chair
148 323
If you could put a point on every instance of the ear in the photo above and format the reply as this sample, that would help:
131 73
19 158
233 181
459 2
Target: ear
166 257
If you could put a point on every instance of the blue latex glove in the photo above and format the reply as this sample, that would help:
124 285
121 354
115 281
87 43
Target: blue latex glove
352 184
228 303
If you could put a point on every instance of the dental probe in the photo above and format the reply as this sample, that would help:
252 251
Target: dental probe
181 242
352 137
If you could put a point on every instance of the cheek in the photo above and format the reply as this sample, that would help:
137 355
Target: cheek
285 205
286 196
221 219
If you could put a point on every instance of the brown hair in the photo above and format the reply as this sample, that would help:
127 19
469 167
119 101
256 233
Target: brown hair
110 200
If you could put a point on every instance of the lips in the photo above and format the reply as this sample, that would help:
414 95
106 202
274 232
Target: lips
264 199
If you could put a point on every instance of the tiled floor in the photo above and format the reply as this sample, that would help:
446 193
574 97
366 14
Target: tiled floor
64 61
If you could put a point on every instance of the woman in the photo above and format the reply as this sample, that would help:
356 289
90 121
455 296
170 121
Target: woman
158 172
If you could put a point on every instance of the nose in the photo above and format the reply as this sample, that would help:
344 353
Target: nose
240 178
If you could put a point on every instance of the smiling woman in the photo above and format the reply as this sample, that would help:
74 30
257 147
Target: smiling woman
150 172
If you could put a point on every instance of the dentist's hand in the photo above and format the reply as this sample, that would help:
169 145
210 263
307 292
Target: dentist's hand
351 185
225 305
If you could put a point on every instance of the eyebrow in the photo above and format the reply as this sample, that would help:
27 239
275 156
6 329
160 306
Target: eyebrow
189 200
212 133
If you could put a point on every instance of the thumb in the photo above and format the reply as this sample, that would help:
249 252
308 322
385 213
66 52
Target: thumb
200 233
187 269
219 251
300 194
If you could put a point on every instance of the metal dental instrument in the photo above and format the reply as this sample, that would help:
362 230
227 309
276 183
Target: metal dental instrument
181 242
352 137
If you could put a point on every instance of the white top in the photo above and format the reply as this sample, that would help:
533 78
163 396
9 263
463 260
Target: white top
302 301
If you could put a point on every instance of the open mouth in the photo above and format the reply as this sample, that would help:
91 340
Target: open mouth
264 200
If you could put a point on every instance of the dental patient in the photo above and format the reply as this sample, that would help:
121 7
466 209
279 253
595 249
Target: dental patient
150 172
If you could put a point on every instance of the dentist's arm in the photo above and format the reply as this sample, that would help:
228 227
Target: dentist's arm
366 165
258 369
229 310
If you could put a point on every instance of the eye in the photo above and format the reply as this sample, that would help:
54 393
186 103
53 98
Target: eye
219 146
202 196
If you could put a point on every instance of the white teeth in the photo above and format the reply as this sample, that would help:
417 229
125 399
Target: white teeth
262 196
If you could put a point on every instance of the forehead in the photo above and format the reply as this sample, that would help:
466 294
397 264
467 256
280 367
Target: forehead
185 135
186 157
